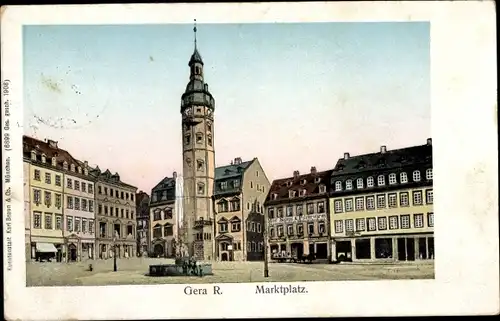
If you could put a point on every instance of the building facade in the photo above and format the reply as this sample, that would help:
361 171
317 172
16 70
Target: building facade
115 218
297 214
381 205
239 194
197 108
162 217
143 234
49 220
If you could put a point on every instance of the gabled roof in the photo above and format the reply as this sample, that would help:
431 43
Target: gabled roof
229 174
107 177
167 182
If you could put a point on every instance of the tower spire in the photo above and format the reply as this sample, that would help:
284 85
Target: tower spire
194 29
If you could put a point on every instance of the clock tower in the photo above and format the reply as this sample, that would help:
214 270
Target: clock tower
197 110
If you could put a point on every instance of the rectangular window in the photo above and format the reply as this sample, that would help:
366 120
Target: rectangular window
91 206
289 210
289 230
84 187
37 175
321 207
338 206
405 221
300 229
58 180
360 204
360 224
77 203
393 222
280 230
310 208
429 197
339 226
393 200
59 222
84 224
48 221
91 188
48 199
382 223
372 226
77 224
430 219
417 197
37 220
299 210
91 226
58 200
48 178
370 202
349 225
69 202
270 212
418 220
381 201
37 196
69 223
310 228
77 185
84 204
69 183
280 211
321 227
259 228
403 199
348 205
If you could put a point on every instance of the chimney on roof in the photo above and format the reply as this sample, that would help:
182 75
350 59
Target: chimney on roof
429 141
237 161
313 170
85 164
52 143
346 155
296 174
383 149
174 175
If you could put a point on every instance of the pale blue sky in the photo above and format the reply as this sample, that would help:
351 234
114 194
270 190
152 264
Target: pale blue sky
293 95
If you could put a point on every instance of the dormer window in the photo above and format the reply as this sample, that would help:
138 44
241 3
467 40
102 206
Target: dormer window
428 174
338 186
54 161
304 182
303 192
348 184
381 180
72 167
392 179
359 183
317 180
65 165
79 170
274 196
369 181
44 158
33 155
291 194
290 183
85 172
403 177
322 189
416 176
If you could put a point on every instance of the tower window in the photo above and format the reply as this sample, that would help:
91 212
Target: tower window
187 139
197 70
201 188
209 126
199 138
209 140
200 165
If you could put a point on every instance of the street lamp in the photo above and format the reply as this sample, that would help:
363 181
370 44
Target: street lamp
114 252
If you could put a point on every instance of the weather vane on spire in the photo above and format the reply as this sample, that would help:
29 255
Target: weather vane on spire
194 29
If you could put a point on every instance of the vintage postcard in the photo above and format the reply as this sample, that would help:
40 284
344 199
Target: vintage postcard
251 160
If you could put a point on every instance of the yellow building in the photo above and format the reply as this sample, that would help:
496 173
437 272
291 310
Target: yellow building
163 227
381 206
44 189
239 194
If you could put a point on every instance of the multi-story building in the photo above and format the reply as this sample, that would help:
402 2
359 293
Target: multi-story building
239 194
197 108
142 210
297 214
162 217
79 211
116 220
27 205
46 169
381 205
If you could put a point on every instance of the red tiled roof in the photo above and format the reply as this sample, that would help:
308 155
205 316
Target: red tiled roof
50 149
282 186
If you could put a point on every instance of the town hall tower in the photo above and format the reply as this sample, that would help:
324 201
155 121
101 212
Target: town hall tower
197 109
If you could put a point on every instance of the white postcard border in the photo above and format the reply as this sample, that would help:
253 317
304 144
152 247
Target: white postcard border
463 89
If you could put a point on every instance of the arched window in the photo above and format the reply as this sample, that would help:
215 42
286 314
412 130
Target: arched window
338 185
200 165
381 180
416 176
392 179
199 138
403 177
428 174
348 184
359 183
369 181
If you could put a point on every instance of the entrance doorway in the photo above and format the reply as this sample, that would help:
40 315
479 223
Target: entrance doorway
297 249
406 249
73 254
343 250
321 251
158 250
224 256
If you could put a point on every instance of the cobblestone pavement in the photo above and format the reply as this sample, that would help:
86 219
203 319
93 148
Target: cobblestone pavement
134 271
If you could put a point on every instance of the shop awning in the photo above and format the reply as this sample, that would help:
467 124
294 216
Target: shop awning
46 248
